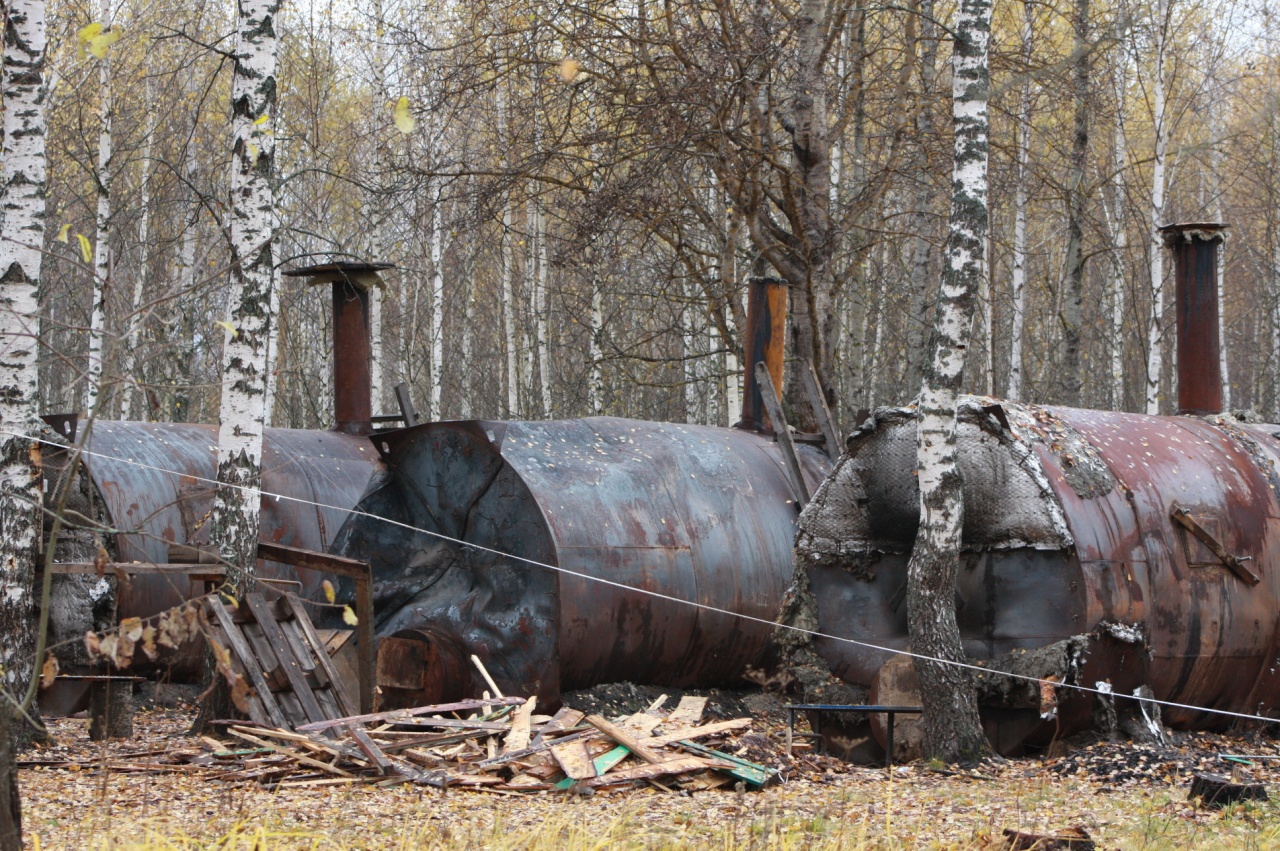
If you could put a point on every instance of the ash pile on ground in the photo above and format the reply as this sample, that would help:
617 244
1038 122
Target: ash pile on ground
1120 764
614 699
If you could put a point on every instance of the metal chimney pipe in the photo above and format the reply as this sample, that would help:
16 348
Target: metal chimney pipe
352 346
765 340
1195 253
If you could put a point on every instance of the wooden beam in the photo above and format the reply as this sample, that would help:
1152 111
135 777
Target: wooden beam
790 459
818 400
197 572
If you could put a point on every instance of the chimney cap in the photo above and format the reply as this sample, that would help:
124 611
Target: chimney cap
359 274
1190 231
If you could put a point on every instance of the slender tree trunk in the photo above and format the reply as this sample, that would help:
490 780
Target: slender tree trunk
132 365
235 521
953 730
595 381
1155 323
22 198
102 260
1073 301
437 306
1119 230
180 405
923 287
1019 282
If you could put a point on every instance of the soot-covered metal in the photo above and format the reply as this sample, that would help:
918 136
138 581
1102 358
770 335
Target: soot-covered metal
614 508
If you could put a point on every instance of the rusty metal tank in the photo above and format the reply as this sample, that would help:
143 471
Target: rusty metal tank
1142 533
1145 548
633 521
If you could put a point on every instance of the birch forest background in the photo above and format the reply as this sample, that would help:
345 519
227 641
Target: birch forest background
575 194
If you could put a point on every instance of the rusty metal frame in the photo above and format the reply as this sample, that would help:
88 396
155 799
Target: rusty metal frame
1231 562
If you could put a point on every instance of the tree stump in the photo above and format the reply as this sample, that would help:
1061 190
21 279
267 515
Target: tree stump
111 708
1215 790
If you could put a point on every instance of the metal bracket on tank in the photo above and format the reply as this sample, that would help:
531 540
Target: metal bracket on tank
1233 563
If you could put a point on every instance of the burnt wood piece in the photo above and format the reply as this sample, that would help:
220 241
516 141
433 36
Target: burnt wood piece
1072 839
1217 791
818 401
785 443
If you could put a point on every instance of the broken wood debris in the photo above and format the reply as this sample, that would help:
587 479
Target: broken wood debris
450 746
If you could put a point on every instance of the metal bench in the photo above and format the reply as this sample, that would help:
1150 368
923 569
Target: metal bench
891 711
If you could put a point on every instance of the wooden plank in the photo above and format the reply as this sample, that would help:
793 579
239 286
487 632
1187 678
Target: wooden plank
370 748
273 716
641 722
518 737
688 711
818 401
395 714
312 560
197 572
602 763
561 721
308 630
405 401
698 732
292 666
624 738
789 457
755 776
291 753
574 760
271 666
679 765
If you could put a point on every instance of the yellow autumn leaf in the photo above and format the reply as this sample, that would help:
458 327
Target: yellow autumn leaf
349 617
99 45
569 69
48 671
228 326
329 593
86 247
235 604
261 119
64 233
88 33
403 118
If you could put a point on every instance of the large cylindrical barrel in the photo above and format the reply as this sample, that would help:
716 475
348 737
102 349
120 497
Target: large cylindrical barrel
569 553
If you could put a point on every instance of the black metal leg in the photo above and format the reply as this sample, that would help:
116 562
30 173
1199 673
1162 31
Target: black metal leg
889 758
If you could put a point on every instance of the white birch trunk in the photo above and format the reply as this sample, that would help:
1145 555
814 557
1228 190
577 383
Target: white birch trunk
595 383
242 415
437 308
953 730
1155 324
542 310
131 366
1216 158
104 238
180 408
1120 232
22 198
1019 281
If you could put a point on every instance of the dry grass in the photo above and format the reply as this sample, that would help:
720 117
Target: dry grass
854 808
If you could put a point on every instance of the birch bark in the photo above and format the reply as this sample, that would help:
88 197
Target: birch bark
1155 321
1073 299
1022 174
105 226
1119 229
953 730
22 198
242 414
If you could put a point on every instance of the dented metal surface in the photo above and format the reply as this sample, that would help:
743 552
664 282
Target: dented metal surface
1158 604
698 514
155 480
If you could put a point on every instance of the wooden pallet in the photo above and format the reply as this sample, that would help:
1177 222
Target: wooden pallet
275 647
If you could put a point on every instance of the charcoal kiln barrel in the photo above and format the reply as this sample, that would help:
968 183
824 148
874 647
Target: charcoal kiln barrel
566 554
764 341
1146 549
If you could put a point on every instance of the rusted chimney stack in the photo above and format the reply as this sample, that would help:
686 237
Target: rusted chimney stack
1195 253
352 348
765 341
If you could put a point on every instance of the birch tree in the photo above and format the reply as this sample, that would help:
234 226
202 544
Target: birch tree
102 264
22 198
245 354
953 730
1161 124
1019 281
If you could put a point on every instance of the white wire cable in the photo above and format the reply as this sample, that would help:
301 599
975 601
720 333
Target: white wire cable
657 594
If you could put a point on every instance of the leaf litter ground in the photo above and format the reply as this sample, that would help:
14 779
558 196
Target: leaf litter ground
1124 795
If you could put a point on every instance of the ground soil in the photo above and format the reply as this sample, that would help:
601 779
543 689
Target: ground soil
1123 795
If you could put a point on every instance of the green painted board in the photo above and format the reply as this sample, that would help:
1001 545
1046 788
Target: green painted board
603 763
755 776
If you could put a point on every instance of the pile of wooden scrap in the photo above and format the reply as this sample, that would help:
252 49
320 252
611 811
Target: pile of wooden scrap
496 744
